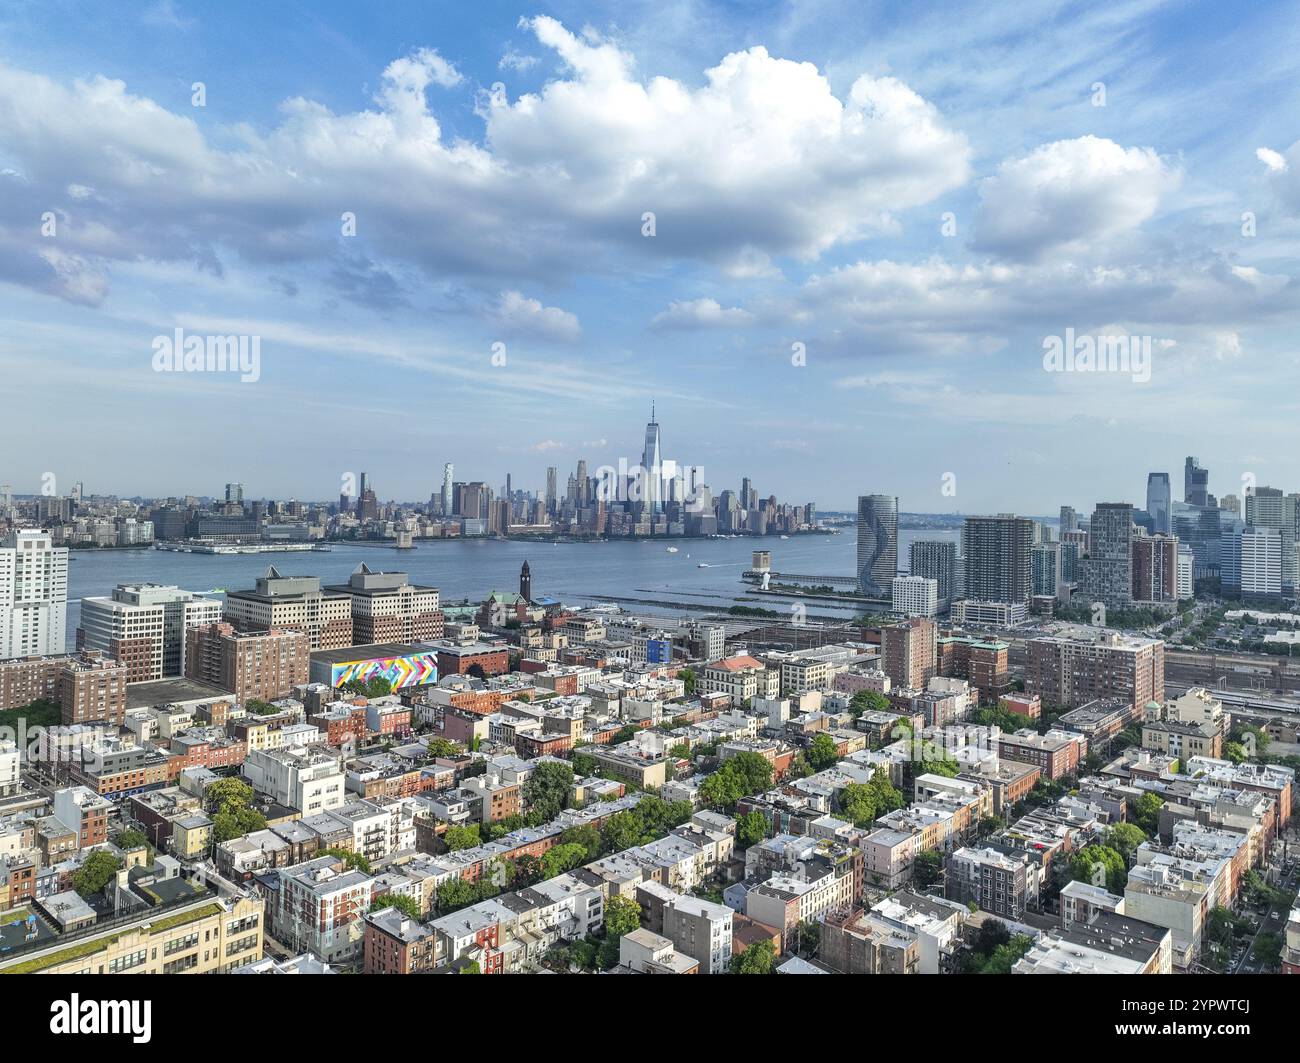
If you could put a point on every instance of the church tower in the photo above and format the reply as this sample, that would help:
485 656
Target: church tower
526 583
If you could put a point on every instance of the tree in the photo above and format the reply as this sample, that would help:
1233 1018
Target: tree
404 904
528 870
562 858
1267 950
230 803
1124 838
260 707
585 764
622 916
809 936
1084 863
1005 956
687 676
547 790
95 873
471 968
461 837
227 791
1146 813
130 839
378 687
444 747
757 958
751 828
868 701
352 861
622 831
585 835
927 867
822 752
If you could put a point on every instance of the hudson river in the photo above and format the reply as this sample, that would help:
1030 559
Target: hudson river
577 573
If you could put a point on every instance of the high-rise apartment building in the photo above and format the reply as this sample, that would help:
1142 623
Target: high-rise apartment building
935 559
1045 569
143 625
448 501
1268 507
1250 563
1107 575
33 595
877 545
1155 568
1069 519
915 596
998 561
908 652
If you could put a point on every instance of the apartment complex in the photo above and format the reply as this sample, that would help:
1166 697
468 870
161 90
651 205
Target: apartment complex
1070 671
144 626
265 665
33 595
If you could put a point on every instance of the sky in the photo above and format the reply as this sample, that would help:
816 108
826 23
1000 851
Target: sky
833 242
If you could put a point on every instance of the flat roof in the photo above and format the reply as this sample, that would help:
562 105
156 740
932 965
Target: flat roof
364 653
176 690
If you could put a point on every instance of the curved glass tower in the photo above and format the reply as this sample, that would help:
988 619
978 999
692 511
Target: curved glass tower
877 545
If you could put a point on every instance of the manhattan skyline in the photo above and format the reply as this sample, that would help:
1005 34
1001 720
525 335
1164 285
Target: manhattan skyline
864 309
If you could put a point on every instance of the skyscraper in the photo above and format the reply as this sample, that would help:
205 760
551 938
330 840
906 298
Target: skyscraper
33 595
1159 501
1196 483
877 545
1069 519
652 462
447 500
1108 570
935 559
998 559
550 490
1267 507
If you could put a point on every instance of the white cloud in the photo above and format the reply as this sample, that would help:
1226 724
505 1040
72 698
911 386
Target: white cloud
521 316
760 159
1070 195
1274 160
701 313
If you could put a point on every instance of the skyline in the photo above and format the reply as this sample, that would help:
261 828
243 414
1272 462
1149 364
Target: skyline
865 309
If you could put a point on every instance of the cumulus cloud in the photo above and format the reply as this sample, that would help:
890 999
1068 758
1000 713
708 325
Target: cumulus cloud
1283 174
759 159
700 314
518 315
1070 195
1274 160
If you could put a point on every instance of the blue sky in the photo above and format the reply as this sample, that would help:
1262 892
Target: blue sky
917 195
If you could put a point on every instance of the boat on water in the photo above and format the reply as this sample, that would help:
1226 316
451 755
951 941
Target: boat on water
785 537
672 549
703 564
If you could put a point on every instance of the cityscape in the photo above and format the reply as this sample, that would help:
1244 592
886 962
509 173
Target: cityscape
414 577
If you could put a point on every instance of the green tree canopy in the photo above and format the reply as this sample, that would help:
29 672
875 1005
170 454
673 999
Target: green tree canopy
757 958
404 904
96 872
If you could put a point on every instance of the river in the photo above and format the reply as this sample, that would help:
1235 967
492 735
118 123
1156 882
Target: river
579 573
